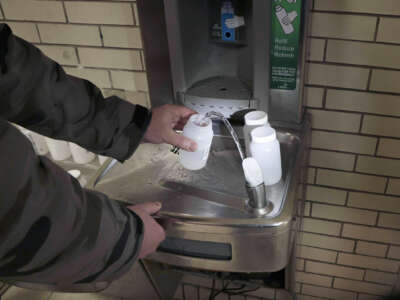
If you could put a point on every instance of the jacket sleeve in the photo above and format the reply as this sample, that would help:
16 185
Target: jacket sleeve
37 94
51 230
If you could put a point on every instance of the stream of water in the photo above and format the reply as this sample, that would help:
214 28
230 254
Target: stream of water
217 115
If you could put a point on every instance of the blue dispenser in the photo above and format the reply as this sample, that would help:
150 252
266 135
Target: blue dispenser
227 12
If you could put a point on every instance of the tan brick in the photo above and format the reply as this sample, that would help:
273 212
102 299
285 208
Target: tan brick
99 13
298 287
280 295
327 242
363 102
372 249
358 53
389 30
70 34
343 142
111 58
368 262
264 293
300 264
62 55
371 234
307 297
315 279
385 81
351 181
136 14
381 126
331 120
320 194
33 10
328 292
332 160
334 270
345 214
386 7
26 31
319 226
394 252
368 297
339 76
99 78
378 166
311 175
307 209
1 15
380 277
389 148
346 26
111 92
317 49
394 187
359 286
316 254
131 81
389 220
314 96
124 37
138 98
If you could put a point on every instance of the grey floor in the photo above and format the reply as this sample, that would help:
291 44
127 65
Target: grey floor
15 293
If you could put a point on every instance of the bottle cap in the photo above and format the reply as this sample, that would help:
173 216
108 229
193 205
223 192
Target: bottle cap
263 134
256 118
199 122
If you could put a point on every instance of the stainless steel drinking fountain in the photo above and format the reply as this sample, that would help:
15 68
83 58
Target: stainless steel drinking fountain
189 62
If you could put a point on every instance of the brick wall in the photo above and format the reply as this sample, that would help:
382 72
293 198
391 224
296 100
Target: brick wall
350 245
99 41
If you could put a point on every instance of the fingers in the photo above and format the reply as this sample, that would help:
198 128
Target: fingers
149 207
183 111
180 141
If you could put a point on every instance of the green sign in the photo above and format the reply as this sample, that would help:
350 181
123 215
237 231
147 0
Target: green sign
284 52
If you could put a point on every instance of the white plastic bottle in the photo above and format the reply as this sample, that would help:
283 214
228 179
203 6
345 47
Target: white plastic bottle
199 129
38 141
265 148
59 150
253 120
80 155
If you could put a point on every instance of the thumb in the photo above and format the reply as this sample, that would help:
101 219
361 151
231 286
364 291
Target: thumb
181 141
150 207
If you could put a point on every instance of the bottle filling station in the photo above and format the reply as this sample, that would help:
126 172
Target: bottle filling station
228 57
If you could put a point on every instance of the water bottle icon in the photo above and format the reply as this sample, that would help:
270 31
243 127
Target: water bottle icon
285 19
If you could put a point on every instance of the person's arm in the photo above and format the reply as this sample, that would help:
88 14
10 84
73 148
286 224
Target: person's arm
37 94
51 230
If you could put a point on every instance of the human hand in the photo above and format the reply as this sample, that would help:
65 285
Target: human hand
165 119
154 234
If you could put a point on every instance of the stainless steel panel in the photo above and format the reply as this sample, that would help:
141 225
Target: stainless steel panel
210 204
180 54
